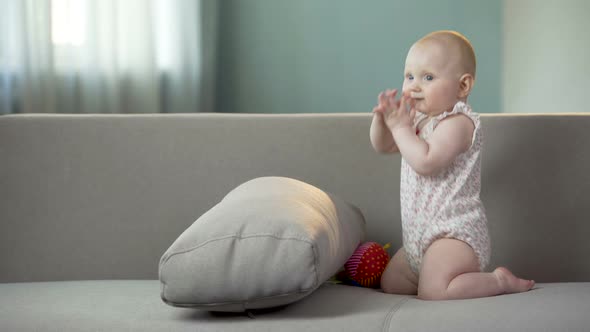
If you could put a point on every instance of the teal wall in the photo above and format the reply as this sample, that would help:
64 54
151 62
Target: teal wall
320 56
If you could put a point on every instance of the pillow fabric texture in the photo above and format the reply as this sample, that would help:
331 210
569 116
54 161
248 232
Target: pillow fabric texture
271 241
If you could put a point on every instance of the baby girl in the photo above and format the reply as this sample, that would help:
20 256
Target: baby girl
446 245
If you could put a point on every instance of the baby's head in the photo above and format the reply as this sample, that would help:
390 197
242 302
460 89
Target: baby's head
439 71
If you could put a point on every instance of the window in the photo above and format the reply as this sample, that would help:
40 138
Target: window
68 22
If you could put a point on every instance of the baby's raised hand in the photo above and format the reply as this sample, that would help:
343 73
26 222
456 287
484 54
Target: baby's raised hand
401 113
387 103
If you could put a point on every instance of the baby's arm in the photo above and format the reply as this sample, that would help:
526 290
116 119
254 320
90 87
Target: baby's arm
450 138
381 137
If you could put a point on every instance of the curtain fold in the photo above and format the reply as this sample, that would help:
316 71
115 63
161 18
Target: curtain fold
107 56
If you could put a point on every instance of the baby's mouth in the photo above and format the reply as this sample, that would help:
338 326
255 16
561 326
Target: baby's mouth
416 95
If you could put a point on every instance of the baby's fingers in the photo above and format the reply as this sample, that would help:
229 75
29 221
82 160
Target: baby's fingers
386 96
397 104
411 102
412 114
381 98
403 104
391 93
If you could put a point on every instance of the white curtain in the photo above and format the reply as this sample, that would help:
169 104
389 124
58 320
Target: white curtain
107 56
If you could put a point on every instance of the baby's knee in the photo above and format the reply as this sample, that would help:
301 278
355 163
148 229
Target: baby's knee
432 288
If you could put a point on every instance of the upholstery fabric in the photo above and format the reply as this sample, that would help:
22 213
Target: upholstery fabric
134 305
101 197
270 241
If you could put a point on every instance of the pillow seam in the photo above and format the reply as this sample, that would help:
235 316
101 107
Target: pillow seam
244 303
311 244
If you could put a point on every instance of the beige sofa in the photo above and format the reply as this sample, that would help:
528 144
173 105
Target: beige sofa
89 203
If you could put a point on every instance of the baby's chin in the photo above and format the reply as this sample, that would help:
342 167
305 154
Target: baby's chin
428 111
420 106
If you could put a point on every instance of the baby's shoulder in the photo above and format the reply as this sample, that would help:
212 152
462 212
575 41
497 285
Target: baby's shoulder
457 121
457 128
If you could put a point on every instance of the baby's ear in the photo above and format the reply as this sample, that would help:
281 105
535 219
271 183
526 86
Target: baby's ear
465 85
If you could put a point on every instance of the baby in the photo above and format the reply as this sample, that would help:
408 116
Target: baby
446 242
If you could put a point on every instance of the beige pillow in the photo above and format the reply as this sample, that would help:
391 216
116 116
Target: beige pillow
269 242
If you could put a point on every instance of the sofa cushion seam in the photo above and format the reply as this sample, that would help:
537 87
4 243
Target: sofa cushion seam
394 309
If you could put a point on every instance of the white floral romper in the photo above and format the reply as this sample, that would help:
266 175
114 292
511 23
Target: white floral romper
447 204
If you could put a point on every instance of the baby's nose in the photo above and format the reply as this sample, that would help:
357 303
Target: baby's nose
413 84
415 88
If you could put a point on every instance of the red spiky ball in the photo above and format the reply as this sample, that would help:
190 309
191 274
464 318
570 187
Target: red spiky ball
366 265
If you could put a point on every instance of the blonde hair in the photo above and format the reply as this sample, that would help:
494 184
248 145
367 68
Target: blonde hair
460 43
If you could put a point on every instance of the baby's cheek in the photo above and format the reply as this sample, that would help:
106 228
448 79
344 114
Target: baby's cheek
405 87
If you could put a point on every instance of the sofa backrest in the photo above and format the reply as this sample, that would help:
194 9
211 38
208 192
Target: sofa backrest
103 196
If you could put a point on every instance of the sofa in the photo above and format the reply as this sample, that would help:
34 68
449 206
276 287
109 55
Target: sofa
89 203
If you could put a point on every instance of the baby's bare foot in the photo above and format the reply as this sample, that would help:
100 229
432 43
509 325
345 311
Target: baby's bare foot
511 283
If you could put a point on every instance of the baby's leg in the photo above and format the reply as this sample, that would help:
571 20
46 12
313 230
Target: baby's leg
450 270
398 278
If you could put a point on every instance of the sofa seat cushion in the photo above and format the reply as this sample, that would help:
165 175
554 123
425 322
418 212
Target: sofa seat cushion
547 307
135 305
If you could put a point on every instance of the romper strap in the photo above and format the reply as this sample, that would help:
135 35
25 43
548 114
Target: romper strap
460 107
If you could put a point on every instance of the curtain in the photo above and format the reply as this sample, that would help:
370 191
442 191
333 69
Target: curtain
107 56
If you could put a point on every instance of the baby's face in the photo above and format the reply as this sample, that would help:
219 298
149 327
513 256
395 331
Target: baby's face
431 78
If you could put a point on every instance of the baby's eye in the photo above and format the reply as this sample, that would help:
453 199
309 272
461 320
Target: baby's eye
410 76
428 77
